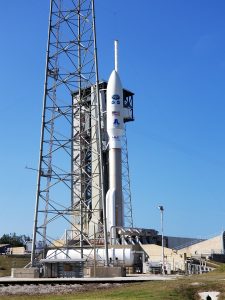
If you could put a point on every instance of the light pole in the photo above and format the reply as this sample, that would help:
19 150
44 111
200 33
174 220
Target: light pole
161 212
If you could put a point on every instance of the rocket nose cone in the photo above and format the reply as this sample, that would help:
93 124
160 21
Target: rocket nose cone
114 74
114 80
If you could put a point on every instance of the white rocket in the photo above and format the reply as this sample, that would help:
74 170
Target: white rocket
115 129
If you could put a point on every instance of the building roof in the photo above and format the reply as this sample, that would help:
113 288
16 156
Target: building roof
4 245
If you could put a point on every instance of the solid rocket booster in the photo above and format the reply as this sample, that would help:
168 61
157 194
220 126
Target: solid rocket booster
115 129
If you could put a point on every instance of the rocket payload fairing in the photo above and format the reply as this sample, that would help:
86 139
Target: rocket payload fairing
115 116
115 129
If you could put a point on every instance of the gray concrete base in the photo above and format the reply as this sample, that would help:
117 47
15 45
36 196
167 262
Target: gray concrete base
25 273
134 278
106 272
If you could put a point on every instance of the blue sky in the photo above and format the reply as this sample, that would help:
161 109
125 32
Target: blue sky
172 56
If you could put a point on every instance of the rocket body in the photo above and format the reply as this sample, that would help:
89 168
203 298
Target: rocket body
115 129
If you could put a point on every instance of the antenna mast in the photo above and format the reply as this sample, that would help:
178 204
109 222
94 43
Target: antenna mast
116 54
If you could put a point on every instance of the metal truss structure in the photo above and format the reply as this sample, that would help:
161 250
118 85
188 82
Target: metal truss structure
70 190
127 201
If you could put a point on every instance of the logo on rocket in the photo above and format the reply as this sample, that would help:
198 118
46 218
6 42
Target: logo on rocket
116 97
116 123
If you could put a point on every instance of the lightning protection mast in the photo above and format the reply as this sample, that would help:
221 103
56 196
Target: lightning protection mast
69 211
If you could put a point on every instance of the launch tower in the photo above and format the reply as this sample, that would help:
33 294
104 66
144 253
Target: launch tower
70 172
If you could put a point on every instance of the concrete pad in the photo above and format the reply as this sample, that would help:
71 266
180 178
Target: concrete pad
133 278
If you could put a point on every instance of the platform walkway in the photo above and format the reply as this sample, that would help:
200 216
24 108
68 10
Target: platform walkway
129 278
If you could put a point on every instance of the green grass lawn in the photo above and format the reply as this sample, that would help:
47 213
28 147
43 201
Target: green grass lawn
12 261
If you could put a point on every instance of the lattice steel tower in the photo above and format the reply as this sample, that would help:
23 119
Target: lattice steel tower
127 201
70 189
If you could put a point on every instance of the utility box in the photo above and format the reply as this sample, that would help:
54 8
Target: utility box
25 273
65 268
107 272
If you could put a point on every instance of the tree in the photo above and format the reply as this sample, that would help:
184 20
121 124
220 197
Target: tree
14 240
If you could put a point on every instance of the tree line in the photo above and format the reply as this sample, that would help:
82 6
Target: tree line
14 240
